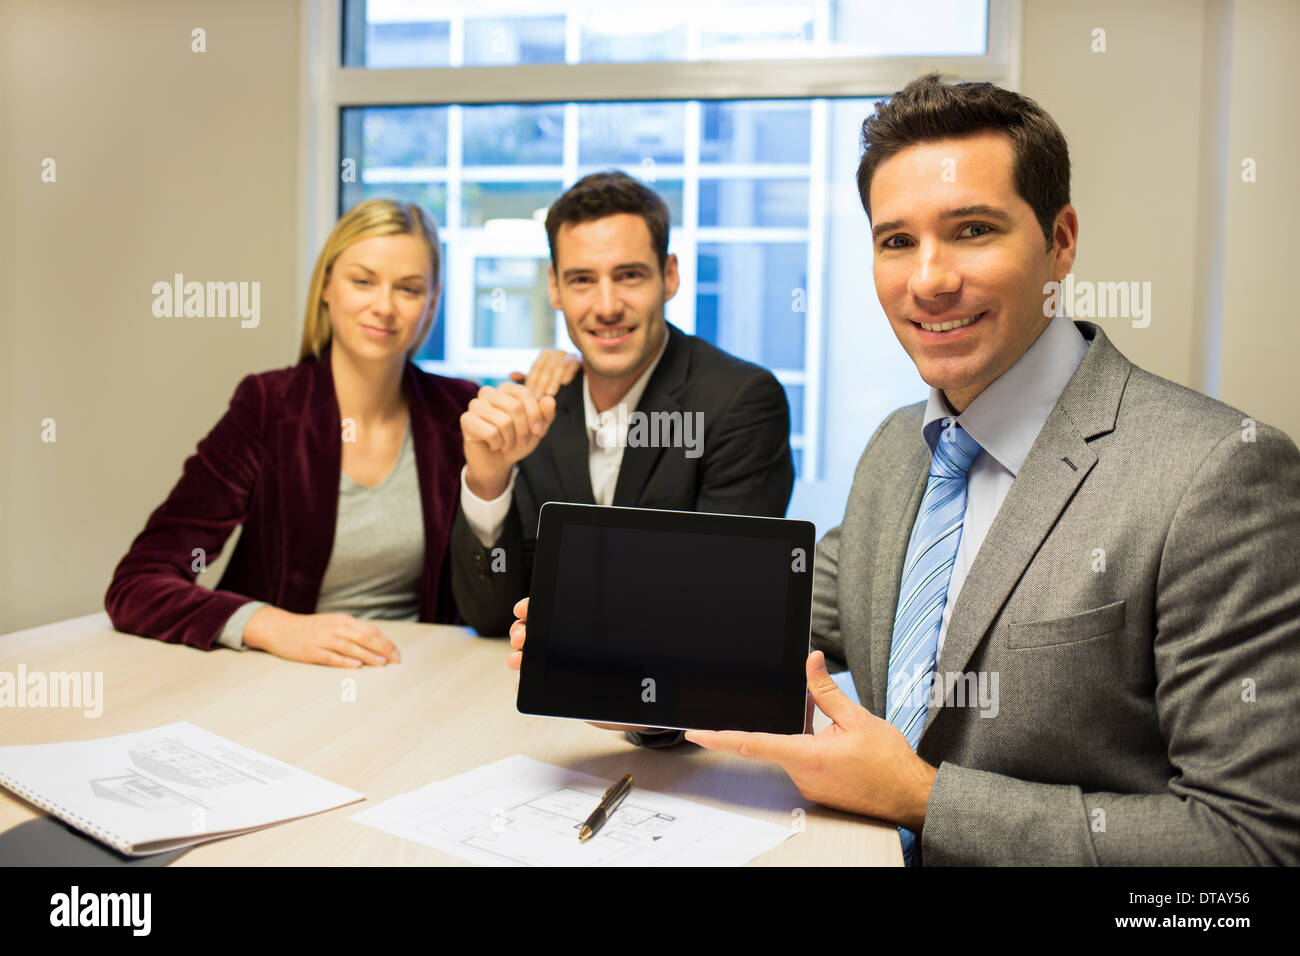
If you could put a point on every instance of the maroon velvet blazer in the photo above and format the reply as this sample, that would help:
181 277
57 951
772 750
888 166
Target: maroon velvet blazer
273 463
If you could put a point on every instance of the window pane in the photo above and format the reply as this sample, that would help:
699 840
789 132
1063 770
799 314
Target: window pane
883 28
794 393
767 30
501 41
434 347
511 308
398 153
635 134
751 300
671 192
754 202
610 35
431 196
514 135
382 34
410 33
399 136
484 201
755 132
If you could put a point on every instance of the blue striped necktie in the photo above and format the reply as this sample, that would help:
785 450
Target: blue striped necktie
926 573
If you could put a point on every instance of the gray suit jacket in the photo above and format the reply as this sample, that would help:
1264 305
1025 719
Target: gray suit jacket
1138 598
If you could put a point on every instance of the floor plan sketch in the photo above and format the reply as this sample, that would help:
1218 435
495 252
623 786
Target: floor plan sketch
552 820
518 812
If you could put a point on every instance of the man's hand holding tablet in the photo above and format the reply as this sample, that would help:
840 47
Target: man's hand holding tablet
519 633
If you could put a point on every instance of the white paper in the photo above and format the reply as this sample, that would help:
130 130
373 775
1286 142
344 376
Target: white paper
178 784
519 812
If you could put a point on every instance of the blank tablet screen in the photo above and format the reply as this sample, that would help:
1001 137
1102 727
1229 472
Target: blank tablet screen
669 619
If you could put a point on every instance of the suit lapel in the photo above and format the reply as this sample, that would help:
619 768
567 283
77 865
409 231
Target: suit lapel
311 457
659 396
1043 487
640 460
570 447
1058 462
436 438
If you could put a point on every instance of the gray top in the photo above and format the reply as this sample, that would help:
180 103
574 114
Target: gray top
378 556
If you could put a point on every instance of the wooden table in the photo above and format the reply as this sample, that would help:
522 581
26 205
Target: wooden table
447 708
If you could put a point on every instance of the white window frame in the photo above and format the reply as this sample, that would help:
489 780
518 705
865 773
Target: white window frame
328 87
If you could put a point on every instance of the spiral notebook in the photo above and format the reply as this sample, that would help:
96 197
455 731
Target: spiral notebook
157 790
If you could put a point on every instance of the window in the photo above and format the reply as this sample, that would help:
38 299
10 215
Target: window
747 125
738 177
387 34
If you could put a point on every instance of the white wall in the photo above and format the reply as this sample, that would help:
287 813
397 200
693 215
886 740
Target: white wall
167 161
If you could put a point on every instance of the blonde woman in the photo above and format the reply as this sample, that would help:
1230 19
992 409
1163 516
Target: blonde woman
344 471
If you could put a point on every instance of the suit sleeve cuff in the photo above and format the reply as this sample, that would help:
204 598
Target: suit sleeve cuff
656 739
232 635
486 518
979 818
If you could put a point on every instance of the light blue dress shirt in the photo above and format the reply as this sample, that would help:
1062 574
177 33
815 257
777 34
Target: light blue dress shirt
1005 419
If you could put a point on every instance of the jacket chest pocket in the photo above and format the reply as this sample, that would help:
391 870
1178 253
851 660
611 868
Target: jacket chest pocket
1067 630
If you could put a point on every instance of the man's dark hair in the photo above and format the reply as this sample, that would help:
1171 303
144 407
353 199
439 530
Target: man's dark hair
608 194
927 109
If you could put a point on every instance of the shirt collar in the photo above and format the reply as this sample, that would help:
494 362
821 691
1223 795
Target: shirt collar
1007 416
633 397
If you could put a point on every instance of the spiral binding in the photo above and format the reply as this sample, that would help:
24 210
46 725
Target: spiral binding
67 816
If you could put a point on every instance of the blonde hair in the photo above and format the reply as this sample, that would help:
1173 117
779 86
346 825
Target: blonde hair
365 220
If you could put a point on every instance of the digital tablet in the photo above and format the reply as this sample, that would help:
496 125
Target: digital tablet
669 619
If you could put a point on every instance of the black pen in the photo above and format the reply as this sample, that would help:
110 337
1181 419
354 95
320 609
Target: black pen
608 804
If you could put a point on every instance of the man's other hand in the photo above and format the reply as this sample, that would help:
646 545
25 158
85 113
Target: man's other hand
859 763
519 633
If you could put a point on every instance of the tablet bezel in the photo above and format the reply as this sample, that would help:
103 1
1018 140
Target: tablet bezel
533 697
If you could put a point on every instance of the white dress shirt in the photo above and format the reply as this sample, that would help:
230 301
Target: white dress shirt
1005 419
606 437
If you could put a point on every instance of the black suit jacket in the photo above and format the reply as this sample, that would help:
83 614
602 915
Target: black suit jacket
745 468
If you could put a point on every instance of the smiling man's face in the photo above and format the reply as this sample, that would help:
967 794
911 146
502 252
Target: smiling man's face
607 281
953 241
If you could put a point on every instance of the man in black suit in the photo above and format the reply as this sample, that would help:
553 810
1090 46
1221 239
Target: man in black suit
654 418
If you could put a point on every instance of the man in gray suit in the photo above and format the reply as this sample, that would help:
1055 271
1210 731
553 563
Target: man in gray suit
1096 647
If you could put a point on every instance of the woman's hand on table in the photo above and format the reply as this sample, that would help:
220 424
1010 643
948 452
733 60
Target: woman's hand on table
336 640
